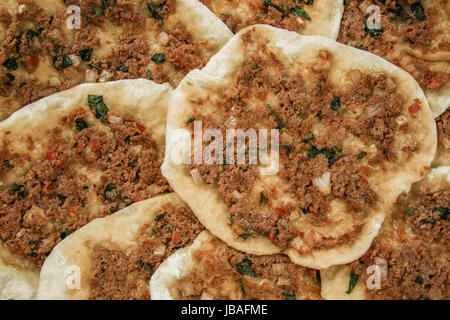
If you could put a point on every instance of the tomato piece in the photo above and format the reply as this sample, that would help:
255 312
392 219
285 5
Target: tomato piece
51 155
281 212
273 239
176 238
364 181
34 60
60 165
414 108
141 128
94 143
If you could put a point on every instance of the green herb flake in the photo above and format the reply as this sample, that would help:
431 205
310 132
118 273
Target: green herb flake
153 8
418 11
288 296
18 189
149 75
245 268
132 164
98 11
159 58
231 220
245 236
262 198
63 234
61 197
81 124
8 164
278 117
110 192
161 216
362 155
269 3
11 63
101 110
146 266
241 283
299 12
190 120
399 13
352 282
123 69
419 280
335 104
95 66
10 76
86 54
410 211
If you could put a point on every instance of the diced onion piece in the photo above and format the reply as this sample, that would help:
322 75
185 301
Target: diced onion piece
163 38
278 268
21 8
115 120
20 233
283 282
231 122
75 60
323 183
401 120
298 244
312 237
374 110
196 176
294 216
105 76
300 20
90 76
160 250
237 194
446 143
54 82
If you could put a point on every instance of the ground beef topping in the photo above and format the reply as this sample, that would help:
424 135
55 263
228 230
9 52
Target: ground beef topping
314 117
38 58
285 14
221 272
120 276
402 23
416 266
443 129
101 168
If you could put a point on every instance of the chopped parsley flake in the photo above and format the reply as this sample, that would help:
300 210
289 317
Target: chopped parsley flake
299 12
101 110
278 117
157 218
8 164
11 63
352 282
410 211
153 8
10 76
159 58
362 155
81 124
245 268
335 104
418 11
86 54
269 3
262 198
123 69
245 236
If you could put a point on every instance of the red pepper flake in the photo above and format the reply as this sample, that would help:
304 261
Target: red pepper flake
439 226
281 212
60 165
366 260
141 127
94 143
34 60
364 181
51 155
48 188
415 107
176 238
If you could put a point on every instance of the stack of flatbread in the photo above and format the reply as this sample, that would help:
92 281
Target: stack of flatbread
184 149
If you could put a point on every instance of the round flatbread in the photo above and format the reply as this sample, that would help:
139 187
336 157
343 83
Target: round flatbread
72 157
409 258
443 149
209 269
313 17
411 34
355 131
50 45
116 256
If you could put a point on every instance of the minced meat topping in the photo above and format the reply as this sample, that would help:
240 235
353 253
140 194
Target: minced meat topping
314 117
38 57
116 275
223 273
102 168
404 22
